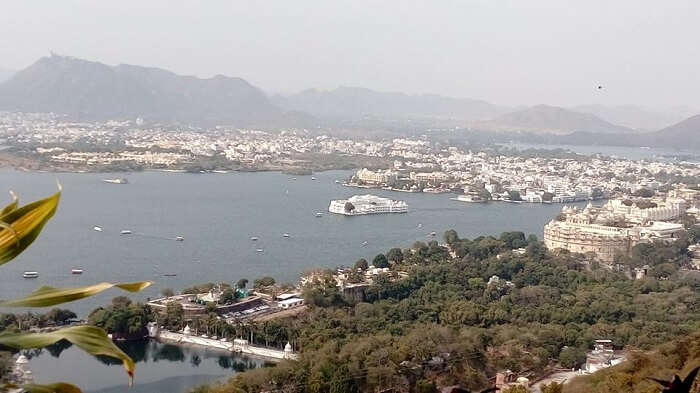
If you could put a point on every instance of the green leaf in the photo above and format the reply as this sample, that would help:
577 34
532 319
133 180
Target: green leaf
60 387
11 207
21 226
49 296
90 339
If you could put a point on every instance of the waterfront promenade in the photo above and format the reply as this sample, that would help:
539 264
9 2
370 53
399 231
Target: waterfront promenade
237 345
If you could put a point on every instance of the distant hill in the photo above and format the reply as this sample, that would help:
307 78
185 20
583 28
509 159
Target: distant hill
633 116
552 119
357 103
91 90
5 74
683 135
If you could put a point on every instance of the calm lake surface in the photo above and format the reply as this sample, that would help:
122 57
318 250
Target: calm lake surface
216 214
160 368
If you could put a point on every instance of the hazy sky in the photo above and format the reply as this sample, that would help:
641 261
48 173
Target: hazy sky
508 52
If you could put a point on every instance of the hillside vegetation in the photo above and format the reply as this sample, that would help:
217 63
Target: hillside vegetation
448 323
676 357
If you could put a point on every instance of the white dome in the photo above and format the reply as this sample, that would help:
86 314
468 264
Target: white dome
187 329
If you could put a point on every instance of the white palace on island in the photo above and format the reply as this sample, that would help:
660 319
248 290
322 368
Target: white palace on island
366 204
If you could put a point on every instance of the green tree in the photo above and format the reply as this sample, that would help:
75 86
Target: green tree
349 207
395 255
513 240
361 264
60 316
571 357
380 261
451 237
228 296
174 316
515 389
643 193
242 283
553 387
322 290
262 282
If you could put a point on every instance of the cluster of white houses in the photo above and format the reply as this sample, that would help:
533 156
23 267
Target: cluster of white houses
614 228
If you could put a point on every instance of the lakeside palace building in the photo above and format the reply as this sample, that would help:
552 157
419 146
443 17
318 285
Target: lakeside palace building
613 228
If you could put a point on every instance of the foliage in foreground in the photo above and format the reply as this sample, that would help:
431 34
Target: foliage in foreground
676 357
19 227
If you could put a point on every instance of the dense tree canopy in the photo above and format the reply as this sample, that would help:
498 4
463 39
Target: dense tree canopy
122 318
450 323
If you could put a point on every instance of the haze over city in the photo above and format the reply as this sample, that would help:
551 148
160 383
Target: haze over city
549 52
491 196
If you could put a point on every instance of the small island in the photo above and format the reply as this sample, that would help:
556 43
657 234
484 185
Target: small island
358 205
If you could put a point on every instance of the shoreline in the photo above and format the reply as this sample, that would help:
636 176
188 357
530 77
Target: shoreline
239 346
369 187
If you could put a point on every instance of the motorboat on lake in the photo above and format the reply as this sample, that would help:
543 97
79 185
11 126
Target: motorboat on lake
125 232
121 180
96 228
76 271
30 274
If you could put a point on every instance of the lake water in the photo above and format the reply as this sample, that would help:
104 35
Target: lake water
160 368
631 153
217 214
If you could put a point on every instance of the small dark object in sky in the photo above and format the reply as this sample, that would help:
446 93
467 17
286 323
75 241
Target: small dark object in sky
600 87
676 385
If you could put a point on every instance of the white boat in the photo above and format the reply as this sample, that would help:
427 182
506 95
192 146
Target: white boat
420 225
358 205
30 274
337 182
259 250
319 214
76 271
121 180
313 178
254 238
364 243
469 198
179 239
285 235
125 232
98 229
433 233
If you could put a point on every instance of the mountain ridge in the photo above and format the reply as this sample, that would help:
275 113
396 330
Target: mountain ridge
93 90
633 116
359 102
552 119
